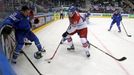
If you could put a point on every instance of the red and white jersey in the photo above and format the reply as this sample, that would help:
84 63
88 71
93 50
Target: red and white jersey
77 22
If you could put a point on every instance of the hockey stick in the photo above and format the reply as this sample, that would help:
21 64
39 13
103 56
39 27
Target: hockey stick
49 59
125 30
31 63
121 59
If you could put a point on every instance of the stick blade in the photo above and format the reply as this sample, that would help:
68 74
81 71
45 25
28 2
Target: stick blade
122 59
129 35
49 59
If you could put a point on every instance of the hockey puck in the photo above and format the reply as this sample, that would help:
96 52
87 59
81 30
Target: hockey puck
49 61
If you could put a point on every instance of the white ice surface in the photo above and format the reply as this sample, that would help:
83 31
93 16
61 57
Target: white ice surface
75 62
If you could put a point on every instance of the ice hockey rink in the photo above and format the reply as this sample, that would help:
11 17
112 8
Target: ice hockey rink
75 62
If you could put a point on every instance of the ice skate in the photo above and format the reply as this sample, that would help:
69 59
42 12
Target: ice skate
14 61
14 58
119 31
71 48
38 55
87 54
109 29
43 50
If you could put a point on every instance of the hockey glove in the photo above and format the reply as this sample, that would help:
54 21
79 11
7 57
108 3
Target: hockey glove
36 21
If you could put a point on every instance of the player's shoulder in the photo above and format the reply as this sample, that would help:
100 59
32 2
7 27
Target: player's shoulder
15 14
76 14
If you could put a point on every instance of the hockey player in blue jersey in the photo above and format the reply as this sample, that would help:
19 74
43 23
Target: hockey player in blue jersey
116 19
21 23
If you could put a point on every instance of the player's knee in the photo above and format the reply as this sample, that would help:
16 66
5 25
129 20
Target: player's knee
85 45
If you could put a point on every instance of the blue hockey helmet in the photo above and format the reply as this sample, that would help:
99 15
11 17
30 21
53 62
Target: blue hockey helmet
72 9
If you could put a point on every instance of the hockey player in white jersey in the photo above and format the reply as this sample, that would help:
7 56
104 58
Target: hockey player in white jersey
77 25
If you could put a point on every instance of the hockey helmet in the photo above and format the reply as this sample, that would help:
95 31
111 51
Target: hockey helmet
71 10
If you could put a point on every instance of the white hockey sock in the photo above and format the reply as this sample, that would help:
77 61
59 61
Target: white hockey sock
86 48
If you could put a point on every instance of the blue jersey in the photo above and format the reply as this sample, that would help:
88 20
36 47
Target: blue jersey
87 14
117 17
18 21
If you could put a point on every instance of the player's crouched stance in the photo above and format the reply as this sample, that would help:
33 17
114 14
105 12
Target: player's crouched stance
79 26
20 22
